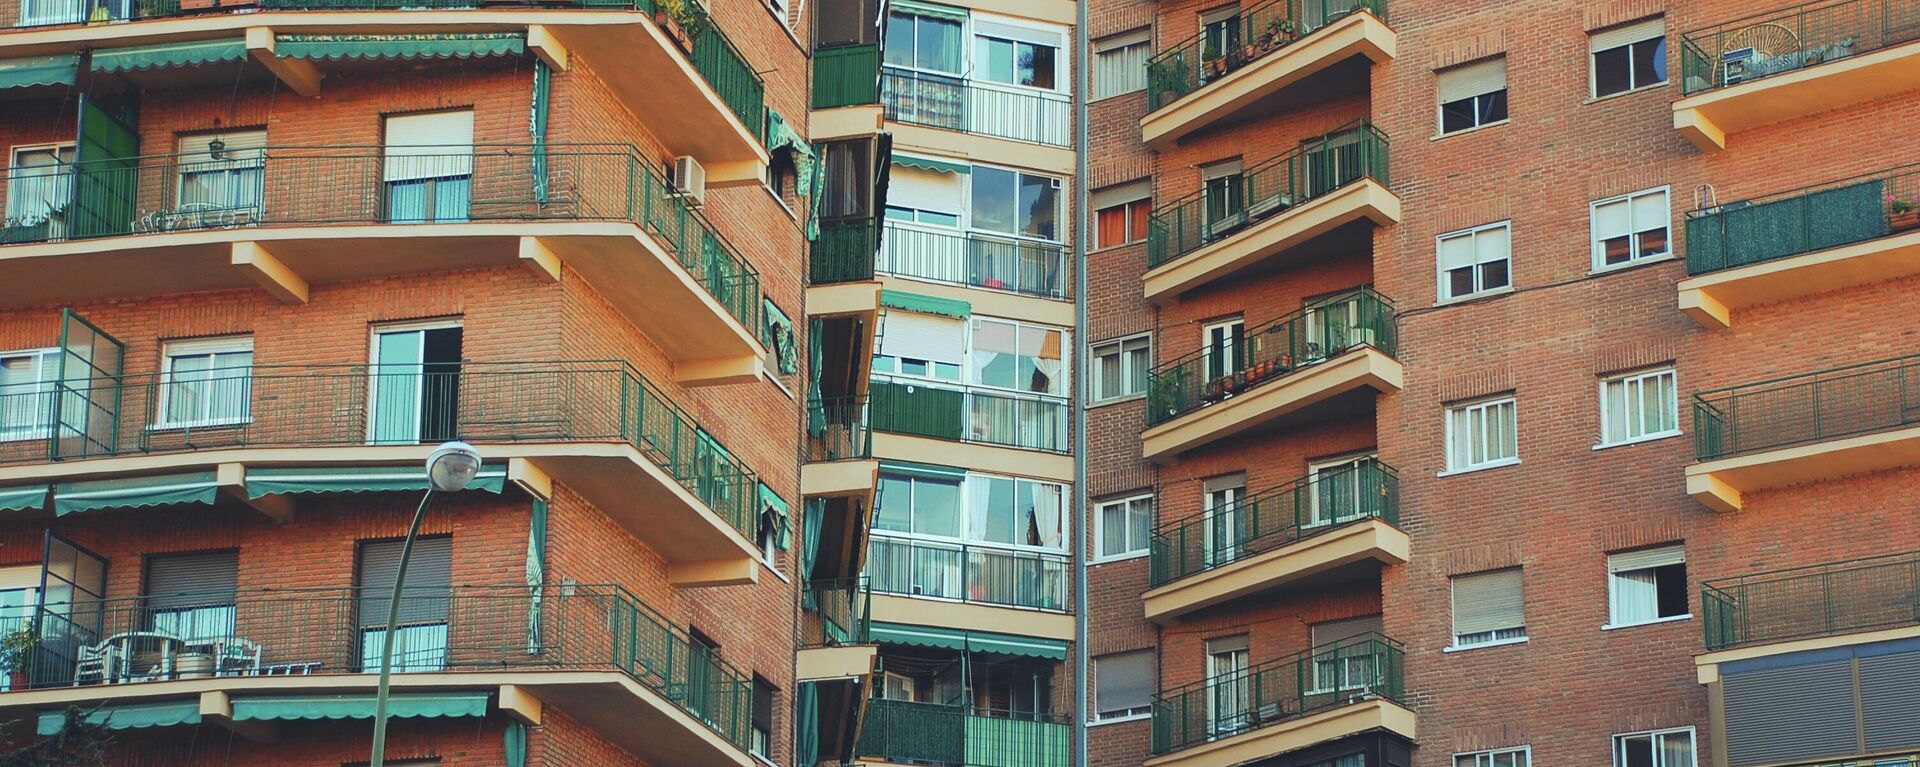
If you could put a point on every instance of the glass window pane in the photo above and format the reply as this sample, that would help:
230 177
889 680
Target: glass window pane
1112 227
938 45
1636 751
1036 65
995 60
936 507
1611 71
1108 383
993 199
1493 106
1456 115
1493 275
1038 201
1653 242
899 40
1649 62
1676 749
893 507
1113 529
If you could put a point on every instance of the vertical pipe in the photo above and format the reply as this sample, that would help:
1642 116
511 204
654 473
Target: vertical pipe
1082 198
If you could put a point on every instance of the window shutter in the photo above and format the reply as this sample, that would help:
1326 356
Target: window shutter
763 705
1487 602
429 580
1334 631
1226 482
1220 169
1650 211
239 145
925 190
1492 244
1456 252
1227 644
434 145
923 336
1047 37
1122 193
1123 681
1627 34
188 580
1611 220
1643 559
1474 79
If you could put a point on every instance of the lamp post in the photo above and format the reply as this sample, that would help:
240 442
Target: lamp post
449 468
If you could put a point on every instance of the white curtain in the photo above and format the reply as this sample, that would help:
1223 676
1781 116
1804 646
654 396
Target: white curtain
1636 597
1046 514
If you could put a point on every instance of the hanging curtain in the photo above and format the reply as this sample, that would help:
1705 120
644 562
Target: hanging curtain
816 511
516 742
806 725
1046 513
816 410
537 126
536 572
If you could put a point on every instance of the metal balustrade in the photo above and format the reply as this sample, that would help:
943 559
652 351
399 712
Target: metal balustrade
968 573
1811 407
1818 600
963 413
933 733
1353 670
839 613
1805 220
961 104
1248 36
976 259
1308 506
1786 40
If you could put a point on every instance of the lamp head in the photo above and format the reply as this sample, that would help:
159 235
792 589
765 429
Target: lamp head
452 465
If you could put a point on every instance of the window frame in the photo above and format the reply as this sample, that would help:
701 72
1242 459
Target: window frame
1593 66
1494 637
1656 738
969 486
1442 286
16 172
1056 183
1135 214
967 366
1097 716
1479 103
1480 404
1484 757
1100 528
1114 45
1129 390
1596 242
964 42
1672 404
1613 588
46 382
211 348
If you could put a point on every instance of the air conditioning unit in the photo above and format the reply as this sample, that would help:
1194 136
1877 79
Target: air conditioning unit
690 180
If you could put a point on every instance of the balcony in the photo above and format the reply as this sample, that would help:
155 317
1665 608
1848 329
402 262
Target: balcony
1280 54
721 113
950 103
1826 600
844 252
1801 243
970 586
595 652
1328 358
1322 199
905 732
1793 62
1316 529
841 482
597 427
1336 690
1805 428
962 413
294 217
976 260
846 76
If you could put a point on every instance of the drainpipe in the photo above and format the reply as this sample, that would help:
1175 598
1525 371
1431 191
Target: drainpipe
1082 236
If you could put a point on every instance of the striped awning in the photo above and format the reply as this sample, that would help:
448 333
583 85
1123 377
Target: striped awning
968 641
267 481
442 46
39 70
249 708
23 497
914 302
126 716
927 163
134 492
164 55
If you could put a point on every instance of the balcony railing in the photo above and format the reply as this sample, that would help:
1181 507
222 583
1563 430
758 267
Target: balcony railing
1252 34
973 106
1820 600
931 733
1321 331
964 413
846 75
315 185
1274 186
1804 220
968 573
308 406
844 251
839 611
1811 407
714 56
1260 523
1340 673
976 259
313 632
837 429
1808 34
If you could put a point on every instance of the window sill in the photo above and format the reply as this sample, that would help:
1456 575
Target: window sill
1500 643
1611 96
1631 265
1482 467
1472 297
185 425
1098 99
780 202
1638 440
1474 129
1116 400
1120 719
1672 619
764 760
1117 558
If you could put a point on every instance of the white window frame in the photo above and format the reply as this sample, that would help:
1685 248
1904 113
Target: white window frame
1657 738
971 485
1596 239
1494 638
1638 380
1059 201
1455 463
203 347
1485 757
1066 357
1441 284
1119 347
1316 517
1227 345
1440 102
1117 45
46 375
1100 528
1097 717
1613 590
972 35
16 211
1593 59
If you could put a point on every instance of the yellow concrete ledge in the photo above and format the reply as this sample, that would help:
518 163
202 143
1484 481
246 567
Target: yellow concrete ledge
1268 238
821 479
861 298
1722 483
1357 34
991 303
1362 368
974 456
1293 735
1706 666
1707 119
844 122
976 617
1368 540
814 664
1712 298
981 148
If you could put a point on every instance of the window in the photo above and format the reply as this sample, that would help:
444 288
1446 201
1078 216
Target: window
420 638
1124 527
1120 63
1660 748
207 383
1488 608
1123 685
924 42
1519 756
1018 356
919 504
760 740
1629 57
1638 406
848 179
1472 95
1343 489
1224 526
922 346
19 602
1631 228
1012 511
1475 261
1223 188
923 196
192 596
429 166
1228 687
222 178
1343 659
1003 53
1221 350
415 391
1123 224
26 393
1120 368
1647 585
38 186
845 22
1016 203
1482 434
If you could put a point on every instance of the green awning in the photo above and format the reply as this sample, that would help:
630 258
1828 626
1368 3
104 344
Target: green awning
359 479
935 10
922 470
1008 644
919 636
181 54
399 706
937 166
134 492
968 641
23 497
772 503
443 46
39 70
127 716
914 302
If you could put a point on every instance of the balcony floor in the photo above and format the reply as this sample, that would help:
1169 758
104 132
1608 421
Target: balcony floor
1722 483
1707 120
1365 368
1711 299
1294 734
1371 540
945 613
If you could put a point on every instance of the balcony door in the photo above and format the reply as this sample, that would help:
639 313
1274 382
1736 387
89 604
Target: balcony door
71 608
1337 490
1222 537
1223 186
1333 327
415 384
1222 352
39 187
1228 686
1331 161
19 594
420 634
222 179
429 167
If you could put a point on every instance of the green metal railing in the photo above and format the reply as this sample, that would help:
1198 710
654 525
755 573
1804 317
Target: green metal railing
844 251
1321 331
1299 509
1804 220
963 413
1274 186
837 429
1365 667
1819 600
978 260
302 406
839 613
1804 35
130 641
846 75
294 185
933 733
974 106
990 575
1811 407
1253 33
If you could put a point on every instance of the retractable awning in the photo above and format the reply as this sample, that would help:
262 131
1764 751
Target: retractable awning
248 708
134 492
165 55
265 481
914 302
922 470
441 46
23 497
39 70
129 716
928 163
968 641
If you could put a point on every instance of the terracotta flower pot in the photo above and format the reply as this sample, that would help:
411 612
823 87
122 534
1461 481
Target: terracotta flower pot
1901 222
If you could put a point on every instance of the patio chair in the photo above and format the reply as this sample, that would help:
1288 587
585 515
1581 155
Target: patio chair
236 657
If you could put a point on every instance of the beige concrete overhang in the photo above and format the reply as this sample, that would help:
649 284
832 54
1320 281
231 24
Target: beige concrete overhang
1366 540
625 49
1707 119
973 455
1355 369
1722 483
700 547
991 303
626 264
1356 34
1294 734
1711 299
858 121
982 148
1706 666
815 664
832 479
1268 238
968 616
845 298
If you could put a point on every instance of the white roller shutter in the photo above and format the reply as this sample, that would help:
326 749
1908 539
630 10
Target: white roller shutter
234 145
433 145
1334 631
1627 34
1488 602
1474 79
925 190
982 27
1644 559
924 336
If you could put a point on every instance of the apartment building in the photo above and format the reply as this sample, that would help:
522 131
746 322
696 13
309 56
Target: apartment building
260 257
1393 315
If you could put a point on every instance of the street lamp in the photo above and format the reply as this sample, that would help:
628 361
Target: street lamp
449 468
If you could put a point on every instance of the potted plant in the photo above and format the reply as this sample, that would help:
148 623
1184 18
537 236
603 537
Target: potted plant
680 20
1210 60
17 649
1901 213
